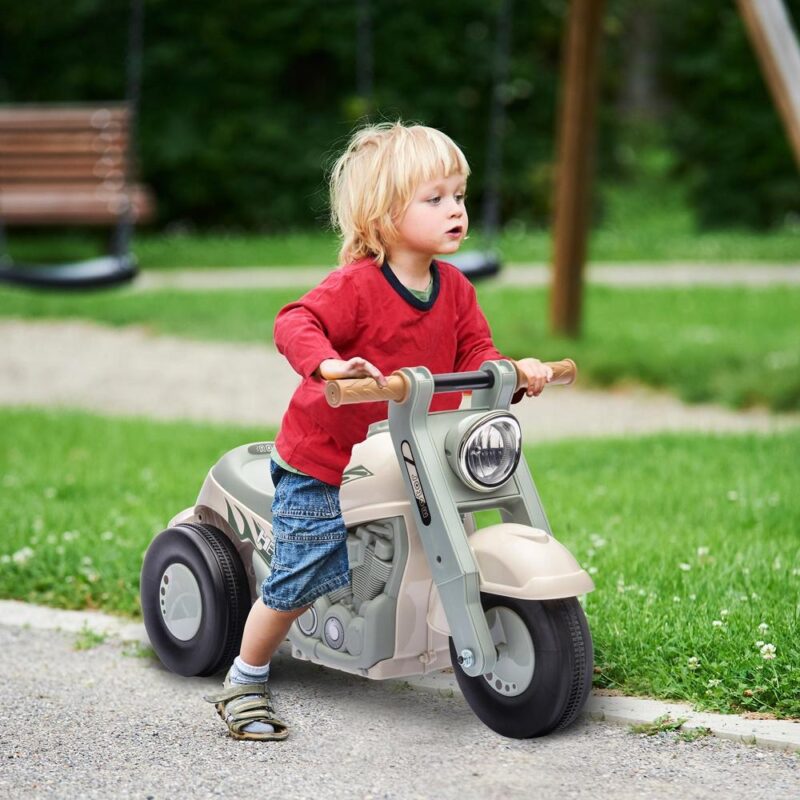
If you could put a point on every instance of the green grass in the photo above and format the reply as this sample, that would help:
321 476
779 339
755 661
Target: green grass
732 345
641 222
677 531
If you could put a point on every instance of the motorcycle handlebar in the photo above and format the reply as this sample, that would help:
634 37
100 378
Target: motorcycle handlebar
367 390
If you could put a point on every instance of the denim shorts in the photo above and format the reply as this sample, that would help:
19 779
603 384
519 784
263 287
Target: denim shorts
310 557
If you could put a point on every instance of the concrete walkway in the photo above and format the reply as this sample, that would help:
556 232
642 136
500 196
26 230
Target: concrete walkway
773 734
662 275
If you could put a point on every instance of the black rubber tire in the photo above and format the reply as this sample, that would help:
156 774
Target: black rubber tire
224 591
562 676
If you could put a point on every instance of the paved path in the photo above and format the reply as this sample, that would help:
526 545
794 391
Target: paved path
629 274
129 372
109 724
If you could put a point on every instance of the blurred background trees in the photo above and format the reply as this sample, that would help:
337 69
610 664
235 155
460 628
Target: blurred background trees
245 104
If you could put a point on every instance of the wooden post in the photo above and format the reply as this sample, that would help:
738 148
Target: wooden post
775 43
576 135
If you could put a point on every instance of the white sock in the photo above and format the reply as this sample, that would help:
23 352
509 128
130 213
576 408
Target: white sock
243 673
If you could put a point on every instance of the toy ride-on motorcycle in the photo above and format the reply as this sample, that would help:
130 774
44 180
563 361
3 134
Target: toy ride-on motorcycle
429 589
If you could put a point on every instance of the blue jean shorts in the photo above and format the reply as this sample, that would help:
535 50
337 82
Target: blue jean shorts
310 557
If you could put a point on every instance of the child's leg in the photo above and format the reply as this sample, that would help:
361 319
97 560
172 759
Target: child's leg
264 631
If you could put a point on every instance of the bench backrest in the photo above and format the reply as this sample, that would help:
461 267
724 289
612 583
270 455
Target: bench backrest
66 164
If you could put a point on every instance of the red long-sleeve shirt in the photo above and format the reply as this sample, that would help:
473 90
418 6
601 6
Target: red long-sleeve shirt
363 310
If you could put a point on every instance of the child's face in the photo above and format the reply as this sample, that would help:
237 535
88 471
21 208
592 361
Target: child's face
435 221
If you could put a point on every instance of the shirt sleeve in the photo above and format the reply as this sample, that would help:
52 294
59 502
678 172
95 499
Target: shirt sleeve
311 329
474 338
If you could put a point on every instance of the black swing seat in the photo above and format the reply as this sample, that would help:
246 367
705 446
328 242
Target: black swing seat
68 165
476 264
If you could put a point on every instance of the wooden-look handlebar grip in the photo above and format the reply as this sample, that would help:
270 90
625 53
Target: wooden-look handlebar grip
564 372
366 390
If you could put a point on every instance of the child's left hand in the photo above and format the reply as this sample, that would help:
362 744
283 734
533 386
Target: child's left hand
532 376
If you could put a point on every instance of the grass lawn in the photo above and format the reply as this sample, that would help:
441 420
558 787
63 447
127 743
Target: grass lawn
692 540
733 345
647 222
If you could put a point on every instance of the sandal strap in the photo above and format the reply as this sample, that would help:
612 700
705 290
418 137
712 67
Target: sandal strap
240 704
237 690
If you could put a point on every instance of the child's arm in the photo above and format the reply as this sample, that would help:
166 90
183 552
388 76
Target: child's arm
312 329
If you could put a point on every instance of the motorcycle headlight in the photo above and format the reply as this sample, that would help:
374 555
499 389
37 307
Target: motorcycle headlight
488 451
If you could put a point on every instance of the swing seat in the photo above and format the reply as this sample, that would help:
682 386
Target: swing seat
476 264
69 165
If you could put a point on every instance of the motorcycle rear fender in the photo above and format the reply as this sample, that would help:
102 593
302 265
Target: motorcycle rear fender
187 515
522 562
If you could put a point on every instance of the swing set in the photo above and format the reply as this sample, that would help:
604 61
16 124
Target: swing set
72 165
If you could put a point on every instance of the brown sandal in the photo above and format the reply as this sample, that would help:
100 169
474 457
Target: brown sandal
240 704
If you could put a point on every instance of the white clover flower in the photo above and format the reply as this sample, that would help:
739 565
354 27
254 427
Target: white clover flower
723 612
713 683
22 556
5 559
69 536
590 552
641 592
597 541
717 623
684 566
86 561
763 627
777 563
693 663
796 571
768 652
107 536
693 597
592 570
703 551
676 599
760 643
754 595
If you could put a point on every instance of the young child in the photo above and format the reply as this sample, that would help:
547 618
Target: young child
397 199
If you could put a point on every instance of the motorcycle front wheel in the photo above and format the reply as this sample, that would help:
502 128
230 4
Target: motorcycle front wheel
544 667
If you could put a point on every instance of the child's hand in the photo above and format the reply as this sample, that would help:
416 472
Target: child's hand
532 376
332 369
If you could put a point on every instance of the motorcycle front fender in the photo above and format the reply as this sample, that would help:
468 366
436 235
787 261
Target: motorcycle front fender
522 562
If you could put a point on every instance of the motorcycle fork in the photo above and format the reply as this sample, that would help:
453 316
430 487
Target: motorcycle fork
441 531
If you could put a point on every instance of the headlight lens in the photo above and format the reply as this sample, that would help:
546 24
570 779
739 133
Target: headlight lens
489 452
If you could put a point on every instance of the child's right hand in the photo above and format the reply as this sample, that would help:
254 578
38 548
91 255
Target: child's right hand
333 369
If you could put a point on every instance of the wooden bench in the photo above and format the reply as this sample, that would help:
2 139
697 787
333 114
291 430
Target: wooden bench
68 165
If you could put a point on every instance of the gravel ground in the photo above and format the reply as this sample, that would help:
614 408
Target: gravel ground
105 724
130 372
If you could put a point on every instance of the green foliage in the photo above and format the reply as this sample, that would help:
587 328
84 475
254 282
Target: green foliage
244 104
731 145
662 724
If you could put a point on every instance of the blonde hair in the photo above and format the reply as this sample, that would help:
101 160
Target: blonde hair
374 179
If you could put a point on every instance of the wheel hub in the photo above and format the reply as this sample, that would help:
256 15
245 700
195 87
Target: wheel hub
181 602
516 658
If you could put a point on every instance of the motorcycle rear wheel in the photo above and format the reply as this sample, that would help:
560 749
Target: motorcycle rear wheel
544 671
195 599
